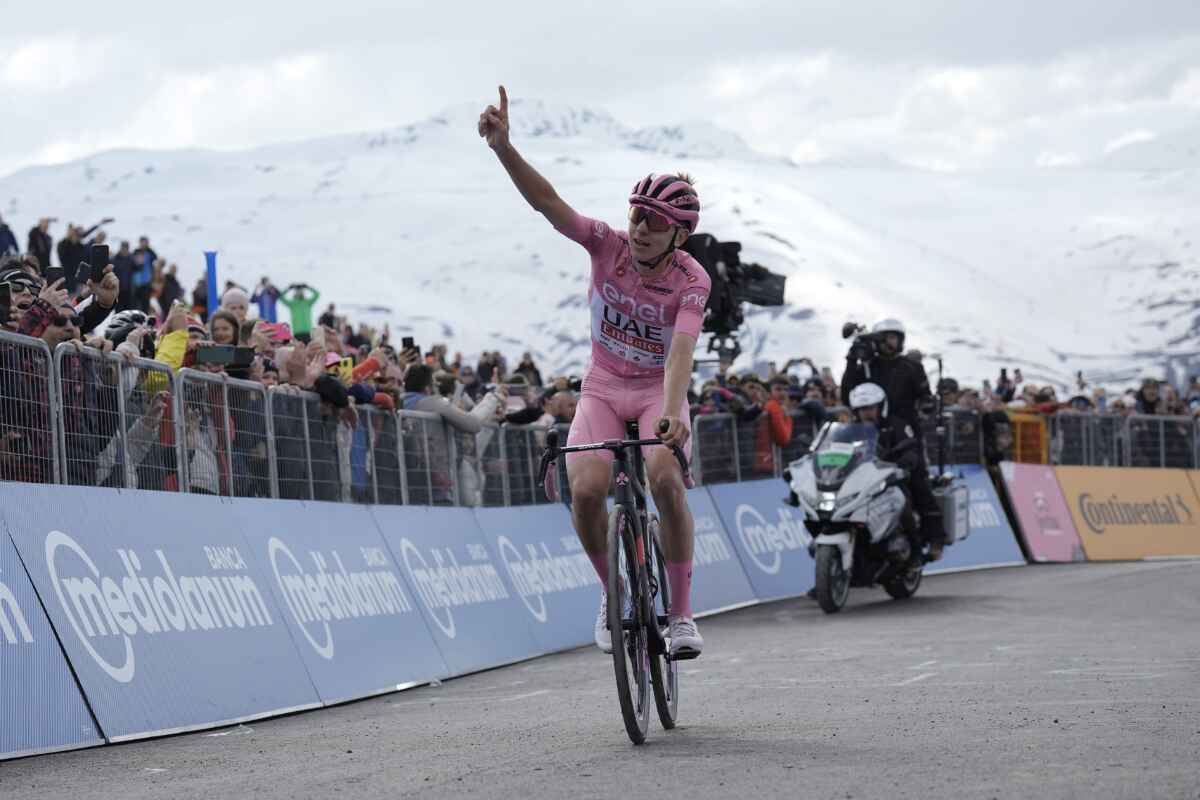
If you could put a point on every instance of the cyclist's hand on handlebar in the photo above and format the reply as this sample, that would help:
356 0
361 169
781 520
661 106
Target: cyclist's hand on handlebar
493 123
672 431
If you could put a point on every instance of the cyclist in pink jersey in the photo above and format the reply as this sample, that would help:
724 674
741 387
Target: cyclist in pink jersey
647 302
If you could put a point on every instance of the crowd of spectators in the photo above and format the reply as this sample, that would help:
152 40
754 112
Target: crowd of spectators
139 309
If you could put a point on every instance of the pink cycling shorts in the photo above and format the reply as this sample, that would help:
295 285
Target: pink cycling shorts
607 401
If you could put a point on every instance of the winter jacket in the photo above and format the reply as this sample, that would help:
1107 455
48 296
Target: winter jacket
8 242
40 246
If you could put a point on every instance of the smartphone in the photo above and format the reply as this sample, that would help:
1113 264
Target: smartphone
98 261
407 343
225 355
54 274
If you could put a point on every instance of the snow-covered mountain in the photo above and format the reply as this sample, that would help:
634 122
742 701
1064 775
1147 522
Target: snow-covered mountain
1053 270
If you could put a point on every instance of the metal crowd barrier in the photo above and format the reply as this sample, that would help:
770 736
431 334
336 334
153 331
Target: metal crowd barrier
227 446
85 417
29 419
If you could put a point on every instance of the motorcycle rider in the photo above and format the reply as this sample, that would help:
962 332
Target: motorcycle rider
905 386
899 444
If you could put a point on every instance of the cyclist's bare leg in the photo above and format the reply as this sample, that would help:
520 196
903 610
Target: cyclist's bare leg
589 477
666 484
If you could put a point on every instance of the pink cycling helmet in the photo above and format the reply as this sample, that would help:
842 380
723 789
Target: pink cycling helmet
670 196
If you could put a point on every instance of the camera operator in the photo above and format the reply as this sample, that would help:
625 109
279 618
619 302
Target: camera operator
876 357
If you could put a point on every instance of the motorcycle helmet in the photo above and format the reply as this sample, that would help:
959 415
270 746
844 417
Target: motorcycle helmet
890 325
868 395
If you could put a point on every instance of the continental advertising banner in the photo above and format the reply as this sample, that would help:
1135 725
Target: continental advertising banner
353 616
1129 513
41 708
166 618
478 618
1042 514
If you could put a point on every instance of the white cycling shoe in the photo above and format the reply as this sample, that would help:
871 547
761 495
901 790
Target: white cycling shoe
686 641
603 636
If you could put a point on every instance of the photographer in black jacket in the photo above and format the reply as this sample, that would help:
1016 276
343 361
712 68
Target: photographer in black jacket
877 357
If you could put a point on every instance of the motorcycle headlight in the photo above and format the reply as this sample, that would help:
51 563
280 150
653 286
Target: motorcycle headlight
827 501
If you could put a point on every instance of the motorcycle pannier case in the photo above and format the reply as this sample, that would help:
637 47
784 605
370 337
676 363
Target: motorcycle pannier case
954 501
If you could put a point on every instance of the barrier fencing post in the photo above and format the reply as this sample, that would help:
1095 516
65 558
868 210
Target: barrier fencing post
716 447
1030 444
328 445
289 428
250 442
364 486
147 392
1161 441
388 462
428 463
91 437
202 426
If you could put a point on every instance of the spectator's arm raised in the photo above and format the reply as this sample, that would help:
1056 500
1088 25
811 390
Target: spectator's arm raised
537 191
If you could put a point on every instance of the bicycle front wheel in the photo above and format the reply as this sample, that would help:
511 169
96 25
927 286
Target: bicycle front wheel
630 651
664 673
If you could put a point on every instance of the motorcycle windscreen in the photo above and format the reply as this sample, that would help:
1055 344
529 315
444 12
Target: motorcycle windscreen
841 448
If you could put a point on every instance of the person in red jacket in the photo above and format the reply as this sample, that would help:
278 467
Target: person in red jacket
774 426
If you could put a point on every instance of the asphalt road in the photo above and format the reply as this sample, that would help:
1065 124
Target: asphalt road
1045 681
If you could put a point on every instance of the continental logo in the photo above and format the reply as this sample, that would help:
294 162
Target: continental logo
766 542
328 592
13 627
1103 514
536 573
148 600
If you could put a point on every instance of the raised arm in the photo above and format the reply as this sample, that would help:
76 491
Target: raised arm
537 191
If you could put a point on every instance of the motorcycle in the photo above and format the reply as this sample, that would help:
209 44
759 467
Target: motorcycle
863 526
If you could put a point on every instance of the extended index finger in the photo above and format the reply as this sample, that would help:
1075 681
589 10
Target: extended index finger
503 102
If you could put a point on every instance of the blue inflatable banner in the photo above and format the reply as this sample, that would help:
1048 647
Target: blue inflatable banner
165 617
991 542
769 536
546 564
718 580
41 708
352 615
477 618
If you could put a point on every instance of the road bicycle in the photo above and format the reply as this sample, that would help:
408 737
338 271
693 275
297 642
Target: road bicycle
638 590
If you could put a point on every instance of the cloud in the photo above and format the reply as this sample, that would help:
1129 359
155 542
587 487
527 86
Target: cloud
1131 137
970 84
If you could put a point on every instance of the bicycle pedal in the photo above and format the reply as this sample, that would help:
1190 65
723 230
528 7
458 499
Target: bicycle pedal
684 655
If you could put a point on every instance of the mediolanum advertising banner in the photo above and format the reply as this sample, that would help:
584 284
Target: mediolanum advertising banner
169 624
1127 514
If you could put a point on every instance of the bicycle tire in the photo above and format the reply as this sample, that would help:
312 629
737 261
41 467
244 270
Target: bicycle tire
664 673
630 650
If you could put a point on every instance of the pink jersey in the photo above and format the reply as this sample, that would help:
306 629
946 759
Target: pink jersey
633 320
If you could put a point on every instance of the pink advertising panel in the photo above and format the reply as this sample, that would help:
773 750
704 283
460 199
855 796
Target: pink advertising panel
1042 513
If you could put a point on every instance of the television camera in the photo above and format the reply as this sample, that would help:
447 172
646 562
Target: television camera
733 284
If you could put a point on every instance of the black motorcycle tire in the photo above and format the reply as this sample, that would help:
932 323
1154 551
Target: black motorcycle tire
905 585
833 583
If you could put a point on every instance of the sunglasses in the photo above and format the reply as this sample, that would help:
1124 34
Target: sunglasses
62 320
656 222
23 287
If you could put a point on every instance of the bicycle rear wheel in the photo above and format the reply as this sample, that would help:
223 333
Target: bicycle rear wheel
664 673
630 652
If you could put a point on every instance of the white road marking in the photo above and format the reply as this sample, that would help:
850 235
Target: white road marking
240 730
924 664
153 769
915 679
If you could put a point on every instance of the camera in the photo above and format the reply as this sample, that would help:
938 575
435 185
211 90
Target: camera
865 345
733 284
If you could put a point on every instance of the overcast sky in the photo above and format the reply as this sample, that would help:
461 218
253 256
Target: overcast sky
935 83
